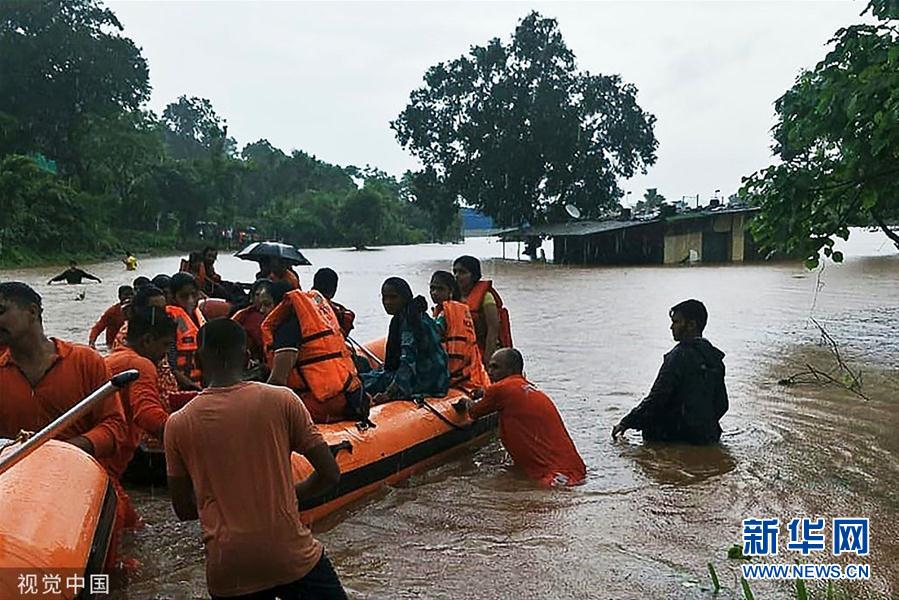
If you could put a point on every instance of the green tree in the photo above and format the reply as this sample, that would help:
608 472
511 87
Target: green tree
431 196
361 216
116 154
44 213
194 130
837 138
179 191
62 62
652 199
518 132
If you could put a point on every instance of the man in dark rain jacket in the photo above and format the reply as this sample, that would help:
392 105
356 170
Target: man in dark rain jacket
688 396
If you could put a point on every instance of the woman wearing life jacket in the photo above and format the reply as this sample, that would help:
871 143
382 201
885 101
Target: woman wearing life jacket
251 317
491 319
456 327
415 363
307 353
189 318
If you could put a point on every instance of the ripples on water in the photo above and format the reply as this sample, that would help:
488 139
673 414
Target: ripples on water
649 518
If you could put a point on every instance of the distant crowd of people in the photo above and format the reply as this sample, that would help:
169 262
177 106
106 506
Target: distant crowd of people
215 373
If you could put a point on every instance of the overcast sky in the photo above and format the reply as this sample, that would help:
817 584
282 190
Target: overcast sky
327 78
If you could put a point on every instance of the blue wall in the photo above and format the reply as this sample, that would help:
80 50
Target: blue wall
472 219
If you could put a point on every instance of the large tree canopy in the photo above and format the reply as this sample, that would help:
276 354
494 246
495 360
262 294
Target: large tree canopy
194 130
837 137
517 131
61 62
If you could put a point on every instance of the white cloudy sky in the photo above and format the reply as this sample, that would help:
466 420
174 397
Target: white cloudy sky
328 77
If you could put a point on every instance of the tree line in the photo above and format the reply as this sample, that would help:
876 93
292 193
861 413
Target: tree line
513 128
86 168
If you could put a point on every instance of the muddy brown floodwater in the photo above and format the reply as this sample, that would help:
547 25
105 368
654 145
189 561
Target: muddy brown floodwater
650 518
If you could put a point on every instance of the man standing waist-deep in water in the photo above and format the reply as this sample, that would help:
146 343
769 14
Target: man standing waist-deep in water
689 396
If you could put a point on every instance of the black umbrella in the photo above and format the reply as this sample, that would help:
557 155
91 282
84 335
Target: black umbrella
258 251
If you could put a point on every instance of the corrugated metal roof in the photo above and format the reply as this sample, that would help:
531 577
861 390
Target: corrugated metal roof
574 228
712 213
582 228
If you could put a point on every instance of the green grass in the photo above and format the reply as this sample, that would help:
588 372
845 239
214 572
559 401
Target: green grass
714 576
801 592
747 591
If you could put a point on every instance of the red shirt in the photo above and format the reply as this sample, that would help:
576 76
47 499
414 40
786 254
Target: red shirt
111 321
251 320
532 431
141 404
77 372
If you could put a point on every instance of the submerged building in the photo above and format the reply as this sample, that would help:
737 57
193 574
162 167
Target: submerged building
713 234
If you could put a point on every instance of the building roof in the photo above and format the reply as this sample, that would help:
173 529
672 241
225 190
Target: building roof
573 228
582 228
712 213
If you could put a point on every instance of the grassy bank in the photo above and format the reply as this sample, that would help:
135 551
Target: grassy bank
141 243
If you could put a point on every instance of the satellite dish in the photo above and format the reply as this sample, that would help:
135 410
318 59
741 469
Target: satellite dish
573 211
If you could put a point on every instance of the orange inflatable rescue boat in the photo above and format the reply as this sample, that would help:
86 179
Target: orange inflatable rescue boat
57 509
408 437
56 514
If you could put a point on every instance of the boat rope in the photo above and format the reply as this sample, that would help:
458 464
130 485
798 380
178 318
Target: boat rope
422 402
21 437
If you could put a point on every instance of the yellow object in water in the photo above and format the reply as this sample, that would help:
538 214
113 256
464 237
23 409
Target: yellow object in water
130 263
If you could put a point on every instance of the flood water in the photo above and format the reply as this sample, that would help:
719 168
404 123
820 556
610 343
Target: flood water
650 518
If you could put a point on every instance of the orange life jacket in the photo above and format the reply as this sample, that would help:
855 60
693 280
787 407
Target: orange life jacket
186 342
199 275
324 366
475 303
461 343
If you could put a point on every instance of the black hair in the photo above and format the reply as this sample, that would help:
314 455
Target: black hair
223 340
152 320
140 282
142 296
516 360
446 278
278 290
162 281
124 289
471 264
412 313
207 249
259 284
21 294
325 281
692 310
182 280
